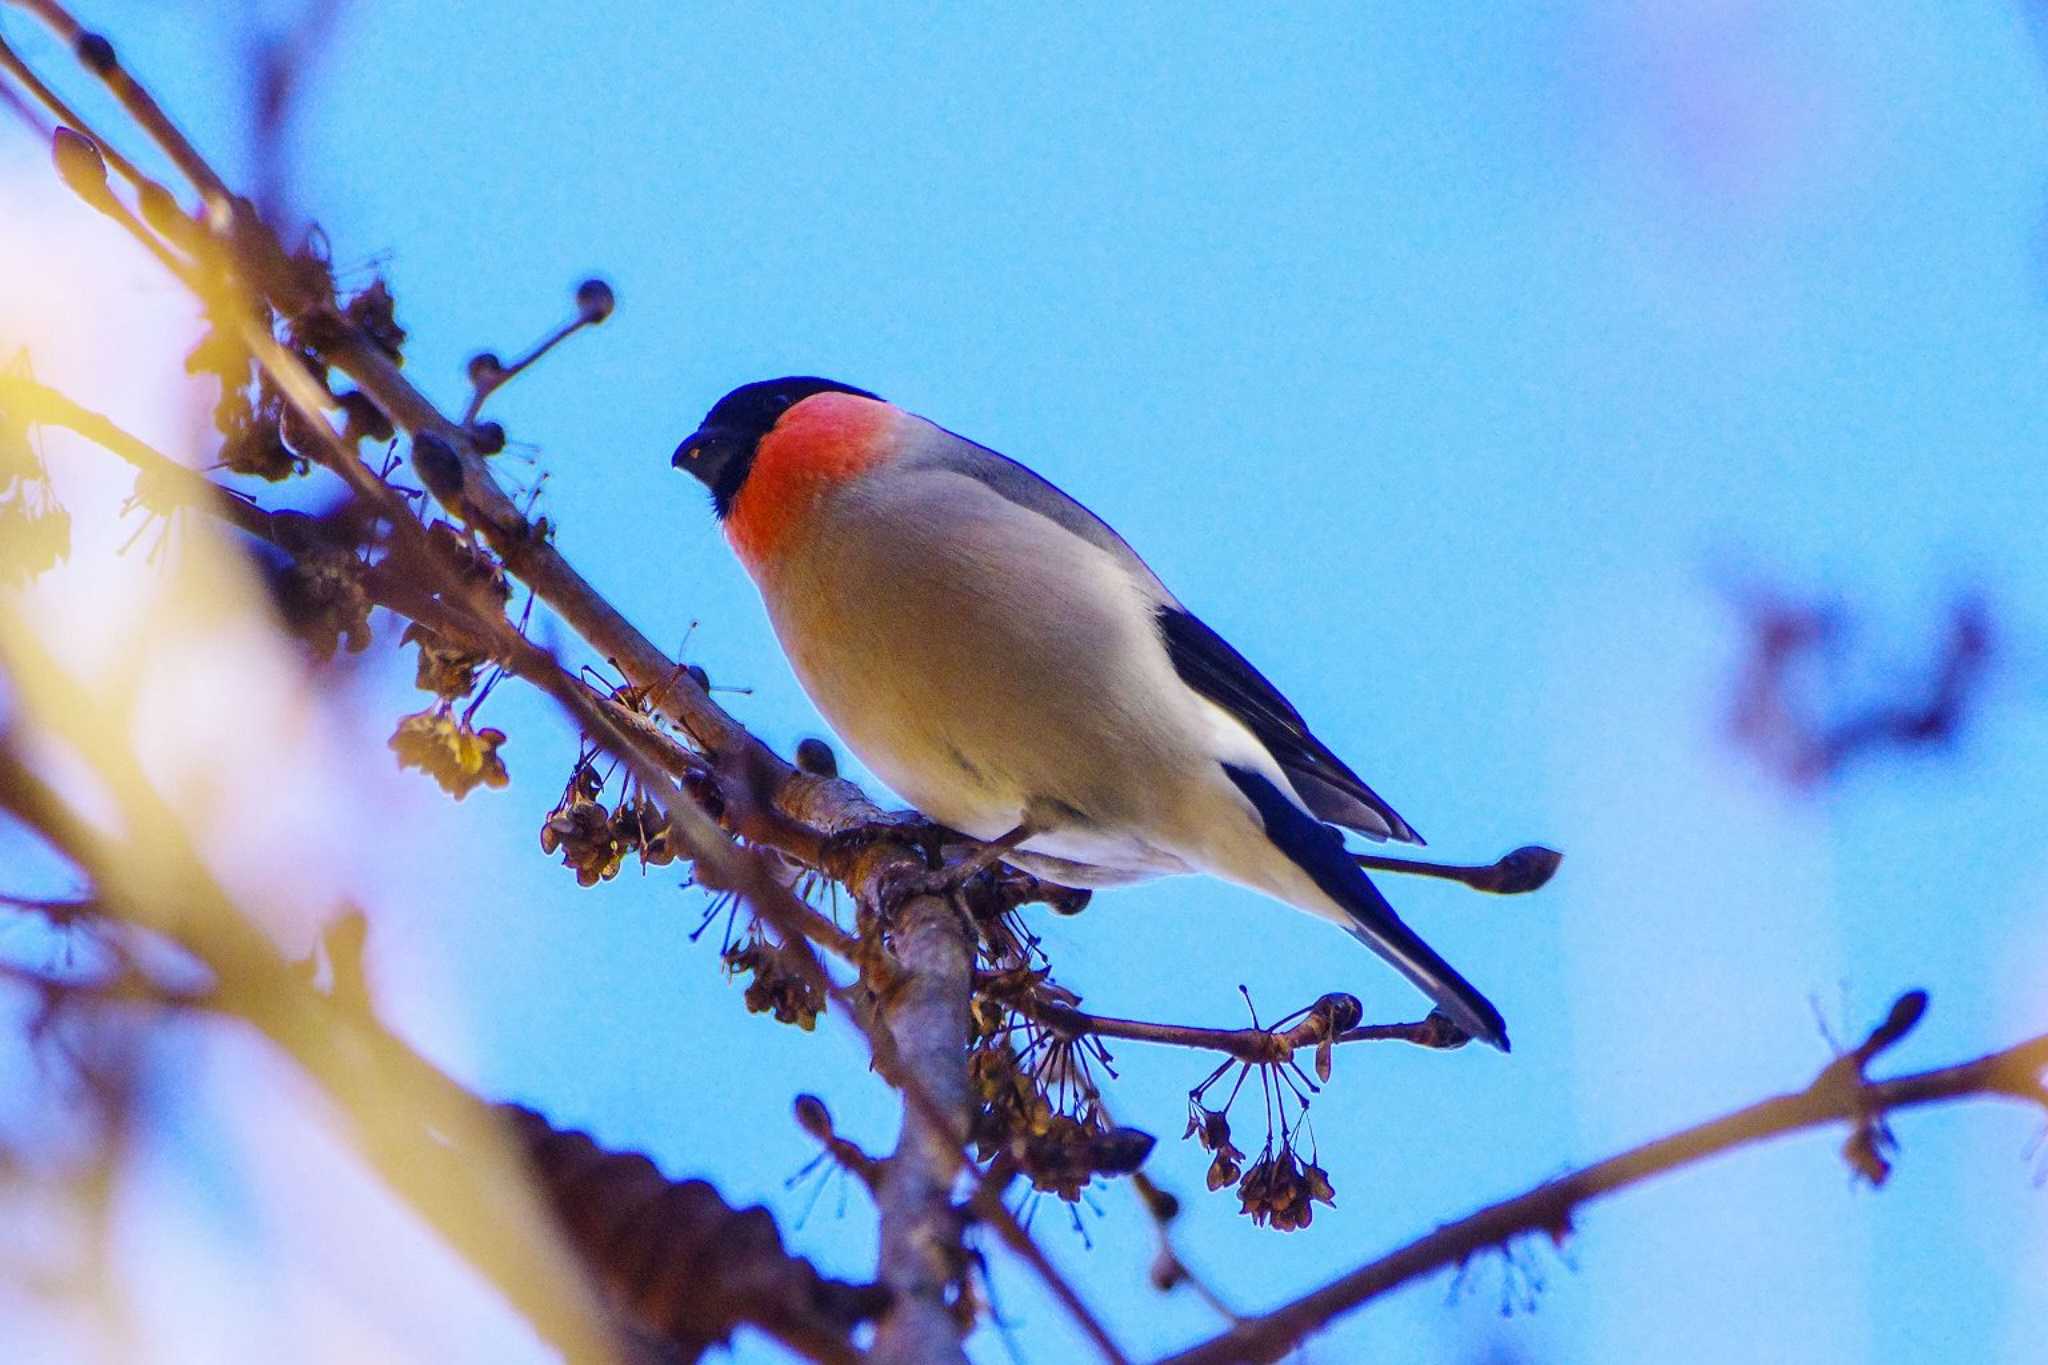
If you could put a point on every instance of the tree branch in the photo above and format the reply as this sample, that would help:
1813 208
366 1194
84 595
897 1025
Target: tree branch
923 1259
1840 1094
1332 1019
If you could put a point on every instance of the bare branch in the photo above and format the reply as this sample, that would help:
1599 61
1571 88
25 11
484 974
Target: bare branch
923 1259
1840 1094
1331 1019
1528 868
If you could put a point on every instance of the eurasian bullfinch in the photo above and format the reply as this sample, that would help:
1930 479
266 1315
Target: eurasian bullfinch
996 654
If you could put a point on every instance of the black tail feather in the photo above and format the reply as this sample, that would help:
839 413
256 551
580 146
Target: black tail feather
1319 851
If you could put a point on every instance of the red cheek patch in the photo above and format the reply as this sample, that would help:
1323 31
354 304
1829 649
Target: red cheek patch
820 443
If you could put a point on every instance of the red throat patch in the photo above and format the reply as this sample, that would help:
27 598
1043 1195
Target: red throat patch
819 444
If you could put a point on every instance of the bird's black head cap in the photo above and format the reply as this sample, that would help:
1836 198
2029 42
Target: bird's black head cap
721 451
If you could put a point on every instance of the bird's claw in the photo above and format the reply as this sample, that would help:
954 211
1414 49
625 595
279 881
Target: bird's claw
908 883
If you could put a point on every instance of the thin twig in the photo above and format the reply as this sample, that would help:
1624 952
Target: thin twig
1526 869
1260 1046
1840 1094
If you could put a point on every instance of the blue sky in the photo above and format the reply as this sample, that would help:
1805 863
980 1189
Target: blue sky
1446 359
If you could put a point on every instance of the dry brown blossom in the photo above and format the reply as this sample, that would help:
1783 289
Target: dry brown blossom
1282 1190
475 566
323 604
640 828
1211 1128
580 829
450 751
446 670
779 986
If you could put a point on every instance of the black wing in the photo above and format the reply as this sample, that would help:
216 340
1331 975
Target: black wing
1207 663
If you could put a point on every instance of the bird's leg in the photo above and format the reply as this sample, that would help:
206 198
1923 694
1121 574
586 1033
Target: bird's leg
991 853
944 881
1525 869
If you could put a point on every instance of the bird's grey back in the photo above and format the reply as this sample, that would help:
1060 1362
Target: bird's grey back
1204 660
1018 484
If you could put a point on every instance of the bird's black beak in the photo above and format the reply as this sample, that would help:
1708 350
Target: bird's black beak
705 454
719 456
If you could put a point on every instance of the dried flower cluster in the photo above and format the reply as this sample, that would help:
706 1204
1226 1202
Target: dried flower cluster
449 749
780 986
594 840
323 604
1038 1104
1280 1188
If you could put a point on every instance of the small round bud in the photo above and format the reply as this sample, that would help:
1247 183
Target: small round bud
815 757
594 301
1121 1150
488 438
486 370
1343 1010
813 1117
83 168
96 52
698 676
438 465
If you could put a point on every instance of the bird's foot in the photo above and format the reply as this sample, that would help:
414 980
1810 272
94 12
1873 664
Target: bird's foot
908 883
842 849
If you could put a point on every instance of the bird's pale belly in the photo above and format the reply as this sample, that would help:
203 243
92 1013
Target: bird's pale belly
971 710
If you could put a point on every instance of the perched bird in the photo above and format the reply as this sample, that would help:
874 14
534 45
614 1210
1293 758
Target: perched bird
1003 660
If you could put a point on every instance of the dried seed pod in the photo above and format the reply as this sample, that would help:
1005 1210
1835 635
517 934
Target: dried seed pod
777 988
476 566
323 603
373 311
580 829
641 829
443 669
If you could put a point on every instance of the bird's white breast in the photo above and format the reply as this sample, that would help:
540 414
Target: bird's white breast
980 658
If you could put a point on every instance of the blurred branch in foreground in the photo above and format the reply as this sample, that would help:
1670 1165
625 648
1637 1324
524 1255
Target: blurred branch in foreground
679 1266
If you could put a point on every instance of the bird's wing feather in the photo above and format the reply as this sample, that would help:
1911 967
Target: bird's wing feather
1204 659
1207 663
1318 850
1020 485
